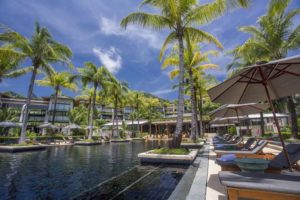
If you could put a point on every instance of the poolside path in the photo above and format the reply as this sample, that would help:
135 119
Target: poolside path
214 189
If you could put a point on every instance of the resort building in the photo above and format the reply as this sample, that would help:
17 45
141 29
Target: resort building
41 109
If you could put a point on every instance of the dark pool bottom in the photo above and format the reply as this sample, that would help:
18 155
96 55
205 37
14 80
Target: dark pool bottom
141 182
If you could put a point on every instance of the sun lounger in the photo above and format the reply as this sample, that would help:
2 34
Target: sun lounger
262 186
232 140
257 149
238 146
277 163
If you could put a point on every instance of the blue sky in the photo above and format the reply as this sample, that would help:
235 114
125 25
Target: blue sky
91 29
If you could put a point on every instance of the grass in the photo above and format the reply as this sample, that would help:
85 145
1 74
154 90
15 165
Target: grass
172 151
20 145
88 140
193 142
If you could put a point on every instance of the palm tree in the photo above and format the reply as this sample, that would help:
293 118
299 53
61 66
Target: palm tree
98 77
194 64
9 63
272 39
58 80
180 16
149 110
42 50
86 95
117 92
135 100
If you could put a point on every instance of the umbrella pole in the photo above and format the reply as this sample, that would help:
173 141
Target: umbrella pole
238 118
278 128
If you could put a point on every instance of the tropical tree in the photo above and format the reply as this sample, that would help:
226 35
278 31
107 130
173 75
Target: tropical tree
58 81
135 100
117 91
149 111
180 17
42 50
79 115
196 63
272 38
98 77
9 63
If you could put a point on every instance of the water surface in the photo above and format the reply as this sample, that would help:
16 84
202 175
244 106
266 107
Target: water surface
65 171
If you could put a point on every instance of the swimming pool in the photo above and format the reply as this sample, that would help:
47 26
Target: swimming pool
66 171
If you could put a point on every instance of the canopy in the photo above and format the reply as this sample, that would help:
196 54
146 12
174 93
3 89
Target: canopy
259 83
73 126
280 77
7 124
227 120
48 125
230 110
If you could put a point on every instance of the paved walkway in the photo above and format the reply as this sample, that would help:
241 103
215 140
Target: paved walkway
214 190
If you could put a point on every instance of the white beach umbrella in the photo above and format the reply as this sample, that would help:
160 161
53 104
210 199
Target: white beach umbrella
48 125
259 83
7 124
231 110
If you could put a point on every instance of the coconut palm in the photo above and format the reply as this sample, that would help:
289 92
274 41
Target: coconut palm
117 92
272 38
86 95
97 76
58 81
194 61
180 17
149 110
42 50
9 63
135 100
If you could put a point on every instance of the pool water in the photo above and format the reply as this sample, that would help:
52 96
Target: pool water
66 171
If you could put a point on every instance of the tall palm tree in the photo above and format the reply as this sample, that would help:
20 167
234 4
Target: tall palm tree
98 77
149 110
9 63
136 102
180 17
86 95
272 38
194 61
58 81
42 50
117 92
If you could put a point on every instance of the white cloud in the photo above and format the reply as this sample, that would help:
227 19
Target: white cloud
132 32
109 58
160 92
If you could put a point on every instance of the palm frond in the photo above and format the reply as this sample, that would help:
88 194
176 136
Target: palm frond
156 22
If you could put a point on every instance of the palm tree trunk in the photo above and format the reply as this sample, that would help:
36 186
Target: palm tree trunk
117 120
180 106
55 102
293 116
25 116
92 113
262 123
89 108
201 113
194 125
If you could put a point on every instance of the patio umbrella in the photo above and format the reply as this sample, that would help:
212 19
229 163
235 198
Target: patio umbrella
259 83
231 110
7 124
72 126
48 125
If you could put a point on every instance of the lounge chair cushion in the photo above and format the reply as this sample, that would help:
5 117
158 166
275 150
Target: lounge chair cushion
280 162
261 181
256 149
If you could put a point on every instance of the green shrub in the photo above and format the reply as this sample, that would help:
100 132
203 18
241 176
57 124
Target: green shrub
174 151
232 130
